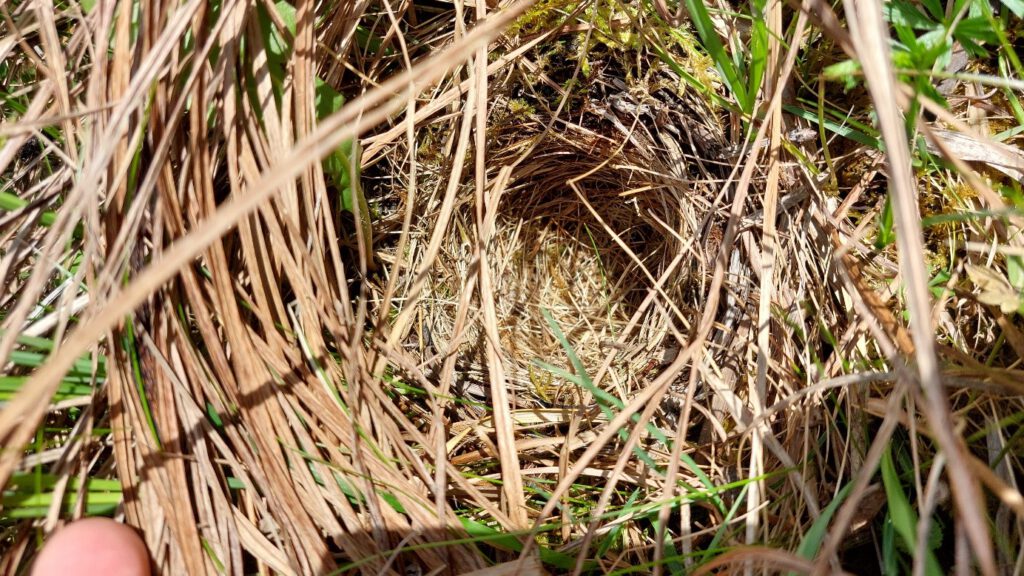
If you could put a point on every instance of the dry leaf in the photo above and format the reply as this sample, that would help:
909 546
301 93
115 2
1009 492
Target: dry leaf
995 288
1007 159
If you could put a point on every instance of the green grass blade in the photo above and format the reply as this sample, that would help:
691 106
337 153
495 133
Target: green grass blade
904 519
709 38
811 543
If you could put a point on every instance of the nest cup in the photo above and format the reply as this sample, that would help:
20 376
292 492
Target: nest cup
588 226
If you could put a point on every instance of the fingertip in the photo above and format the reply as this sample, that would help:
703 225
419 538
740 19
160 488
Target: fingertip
93 547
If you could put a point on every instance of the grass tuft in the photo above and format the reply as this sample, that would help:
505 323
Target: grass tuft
515 288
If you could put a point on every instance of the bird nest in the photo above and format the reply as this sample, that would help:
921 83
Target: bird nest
600 233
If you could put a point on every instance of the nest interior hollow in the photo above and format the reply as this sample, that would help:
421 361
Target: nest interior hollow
592 222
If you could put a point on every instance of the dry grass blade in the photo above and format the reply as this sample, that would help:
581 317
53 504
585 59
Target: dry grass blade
871 45
566 287
487 202
776 559
18 420
16 427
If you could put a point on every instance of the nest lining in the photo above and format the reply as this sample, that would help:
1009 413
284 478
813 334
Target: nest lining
589 223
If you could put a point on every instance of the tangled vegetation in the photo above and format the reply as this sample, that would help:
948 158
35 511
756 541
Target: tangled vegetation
437 287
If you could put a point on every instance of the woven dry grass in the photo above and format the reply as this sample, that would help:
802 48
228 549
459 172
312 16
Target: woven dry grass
587 228
592 330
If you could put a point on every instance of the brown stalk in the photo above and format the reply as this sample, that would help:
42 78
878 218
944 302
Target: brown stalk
18 418
871 43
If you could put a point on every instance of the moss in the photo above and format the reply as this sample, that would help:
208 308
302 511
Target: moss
543 16
618 33
520 108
